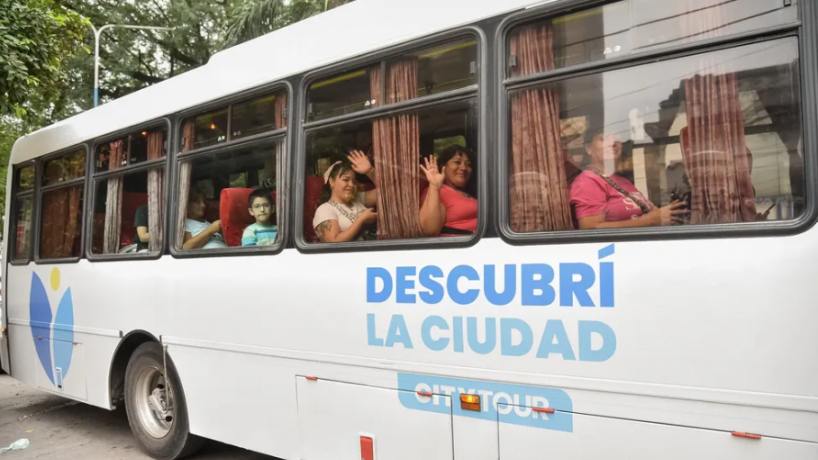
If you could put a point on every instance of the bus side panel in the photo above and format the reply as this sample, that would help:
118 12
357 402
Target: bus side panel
243 399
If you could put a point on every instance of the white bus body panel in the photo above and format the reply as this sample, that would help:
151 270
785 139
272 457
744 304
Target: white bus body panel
713 334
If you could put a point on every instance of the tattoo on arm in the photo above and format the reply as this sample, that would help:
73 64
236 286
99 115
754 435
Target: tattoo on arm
322 227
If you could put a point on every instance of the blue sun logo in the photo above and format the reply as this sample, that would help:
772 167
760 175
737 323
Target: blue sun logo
53 334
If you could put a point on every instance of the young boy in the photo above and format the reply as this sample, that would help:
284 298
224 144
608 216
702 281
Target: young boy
263 232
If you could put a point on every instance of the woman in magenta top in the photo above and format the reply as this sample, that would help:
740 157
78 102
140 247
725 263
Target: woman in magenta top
447 208
603 199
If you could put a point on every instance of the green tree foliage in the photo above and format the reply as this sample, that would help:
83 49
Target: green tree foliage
46 50
37 37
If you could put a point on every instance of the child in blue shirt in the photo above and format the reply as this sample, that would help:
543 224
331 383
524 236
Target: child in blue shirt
263 232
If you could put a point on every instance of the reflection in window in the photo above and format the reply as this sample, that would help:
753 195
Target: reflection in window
445 67
214 197
209 128
25 178
23 221
258 115
432 70
61 222
64 168
712 138
622 28
340 94
394 145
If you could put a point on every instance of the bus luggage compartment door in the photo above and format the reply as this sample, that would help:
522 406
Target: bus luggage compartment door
341 421
590 436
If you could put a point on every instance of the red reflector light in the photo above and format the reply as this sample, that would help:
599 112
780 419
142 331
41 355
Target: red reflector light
311 378
741 434
543 410
367 448
470 402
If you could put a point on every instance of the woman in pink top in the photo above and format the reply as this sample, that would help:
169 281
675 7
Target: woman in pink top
603 199
447 209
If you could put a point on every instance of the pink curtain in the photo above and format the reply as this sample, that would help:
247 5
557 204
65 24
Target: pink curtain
715 153
538 195
113 200
61 223
188 137
156 223
396 150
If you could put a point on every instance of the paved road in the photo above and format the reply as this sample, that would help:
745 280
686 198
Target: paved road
59 428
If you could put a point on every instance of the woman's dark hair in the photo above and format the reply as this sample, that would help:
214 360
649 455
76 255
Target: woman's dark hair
339 169
452 151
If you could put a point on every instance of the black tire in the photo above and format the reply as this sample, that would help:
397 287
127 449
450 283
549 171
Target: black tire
155 404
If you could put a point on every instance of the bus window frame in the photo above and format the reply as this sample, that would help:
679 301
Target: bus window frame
270 137
808 80
479 93
16 195
40 189
121 172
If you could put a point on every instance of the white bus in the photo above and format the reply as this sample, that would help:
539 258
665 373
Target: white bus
613 257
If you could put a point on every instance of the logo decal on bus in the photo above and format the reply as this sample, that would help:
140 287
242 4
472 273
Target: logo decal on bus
53 334
505 403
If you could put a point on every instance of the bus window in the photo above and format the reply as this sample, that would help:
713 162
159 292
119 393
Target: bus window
256 116
430 70
128 196
704 139
208 129
340 94
259 115
631 26
64 168
61 206
340 188
24 214
214 198
25 179
61 222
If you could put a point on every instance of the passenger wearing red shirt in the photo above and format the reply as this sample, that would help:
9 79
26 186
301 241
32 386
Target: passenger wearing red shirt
603 199
447 208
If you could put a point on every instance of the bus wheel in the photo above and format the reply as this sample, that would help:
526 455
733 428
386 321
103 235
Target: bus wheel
156 406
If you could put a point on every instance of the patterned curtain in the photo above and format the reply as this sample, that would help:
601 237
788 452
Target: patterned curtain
156 224
538 194
113 200
61 224
280 108
188 137
396 149
715 152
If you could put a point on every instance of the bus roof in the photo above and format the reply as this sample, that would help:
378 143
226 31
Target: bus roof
350 30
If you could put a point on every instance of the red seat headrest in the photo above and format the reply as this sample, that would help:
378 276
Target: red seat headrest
233 213
312 197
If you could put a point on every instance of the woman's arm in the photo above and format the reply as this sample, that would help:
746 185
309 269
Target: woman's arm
432 215
666 215
361 165
329 231
201 239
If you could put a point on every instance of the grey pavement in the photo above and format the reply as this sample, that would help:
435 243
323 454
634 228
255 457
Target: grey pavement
59 428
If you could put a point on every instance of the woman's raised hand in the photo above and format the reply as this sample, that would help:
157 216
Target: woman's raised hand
360 162
433 174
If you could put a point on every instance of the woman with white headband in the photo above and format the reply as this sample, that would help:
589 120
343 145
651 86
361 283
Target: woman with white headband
346 213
